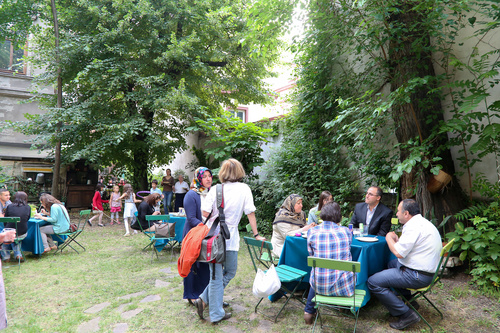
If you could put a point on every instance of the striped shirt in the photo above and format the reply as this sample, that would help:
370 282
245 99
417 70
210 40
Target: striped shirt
331 241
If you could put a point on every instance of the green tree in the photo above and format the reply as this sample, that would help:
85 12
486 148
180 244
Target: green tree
227 136
372 64
16 20
136 73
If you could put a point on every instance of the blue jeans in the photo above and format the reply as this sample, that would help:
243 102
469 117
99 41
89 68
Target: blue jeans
167 200
310 304
214 292
380 285
6 250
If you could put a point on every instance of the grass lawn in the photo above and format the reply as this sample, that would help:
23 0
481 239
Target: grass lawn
51 293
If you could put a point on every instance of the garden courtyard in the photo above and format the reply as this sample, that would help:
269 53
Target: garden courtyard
114 287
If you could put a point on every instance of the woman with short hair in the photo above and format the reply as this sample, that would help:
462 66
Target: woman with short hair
329 240
238 199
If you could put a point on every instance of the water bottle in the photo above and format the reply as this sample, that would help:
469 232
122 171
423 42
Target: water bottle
361 229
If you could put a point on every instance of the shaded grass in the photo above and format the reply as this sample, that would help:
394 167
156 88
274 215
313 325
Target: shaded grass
51 293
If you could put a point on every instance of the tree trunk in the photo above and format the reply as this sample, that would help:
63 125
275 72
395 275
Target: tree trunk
418 119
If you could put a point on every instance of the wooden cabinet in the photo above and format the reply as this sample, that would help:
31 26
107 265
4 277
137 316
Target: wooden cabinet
80 196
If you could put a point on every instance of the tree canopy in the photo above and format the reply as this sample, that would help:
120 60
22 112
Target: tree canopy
136 73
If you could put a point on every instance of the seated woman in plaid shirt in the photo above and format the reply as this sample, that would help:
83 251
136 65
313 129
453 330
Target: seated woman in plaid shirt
332 241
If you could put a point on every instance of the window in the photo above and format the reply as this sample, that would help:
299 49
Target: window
11 59
239 113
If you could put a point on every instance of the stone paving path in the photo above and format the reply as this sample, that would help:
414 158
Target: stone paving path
122 327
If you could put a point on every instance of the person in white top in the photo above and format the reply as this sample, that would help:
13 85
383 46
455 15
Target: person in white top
180 190
238 199
417 251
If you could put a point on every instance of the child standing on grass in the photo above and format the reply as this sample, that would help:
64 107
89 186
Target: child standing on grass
130 208
115 204
97 206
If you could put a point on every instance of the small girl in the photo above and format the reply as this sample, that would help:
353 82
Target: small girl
130 208
115 204
97 206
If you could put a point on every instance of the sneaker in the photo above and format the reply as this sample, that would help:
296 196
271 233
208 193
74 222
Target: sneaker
90 223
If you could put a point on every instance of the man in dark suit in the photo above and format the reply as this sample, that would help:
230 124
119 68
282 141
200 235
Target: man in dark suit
374 215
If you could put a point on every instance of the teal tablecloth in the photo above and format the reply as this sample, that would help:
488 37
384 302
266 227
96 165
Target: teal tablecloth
179 227
33 240
372 256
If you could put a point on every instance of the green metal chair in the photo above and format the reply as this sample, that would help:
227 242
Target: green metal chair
151 235
422 292
18 240
286 274
265 255
72 235
338 303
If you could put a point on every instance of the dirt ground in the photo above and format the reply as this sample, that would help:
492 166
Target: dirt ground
464 309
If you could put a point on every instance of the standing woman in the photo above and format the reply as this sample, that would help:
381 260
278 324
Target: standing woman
167 182
55 213
238 199
19 208
97 206
198 277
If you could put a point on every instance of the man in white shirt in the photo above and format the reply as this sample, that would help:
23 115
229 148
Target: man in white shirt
418 251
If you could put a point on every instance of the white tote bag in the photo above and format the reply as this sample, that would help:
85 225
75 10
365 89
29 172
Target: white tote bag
266 283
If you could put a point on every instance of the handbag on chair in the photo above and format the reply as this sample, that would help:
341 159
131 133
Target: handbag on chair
165 229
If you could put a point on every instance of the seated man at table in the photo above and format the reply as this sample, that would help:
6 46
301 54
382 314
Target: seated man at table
4 200
417 251
375 216
332 241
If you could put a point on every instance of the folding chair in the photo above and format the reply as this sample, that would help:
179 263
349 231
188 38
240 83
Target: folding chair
338 303
152 234
286 274
72 235
18 240
417 293
264 256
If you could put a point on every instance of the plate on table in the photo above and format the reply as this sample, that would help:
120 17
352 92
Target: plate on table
367 239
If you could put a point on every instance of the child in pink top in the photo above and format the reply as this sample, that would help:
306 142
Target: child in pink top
115 204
